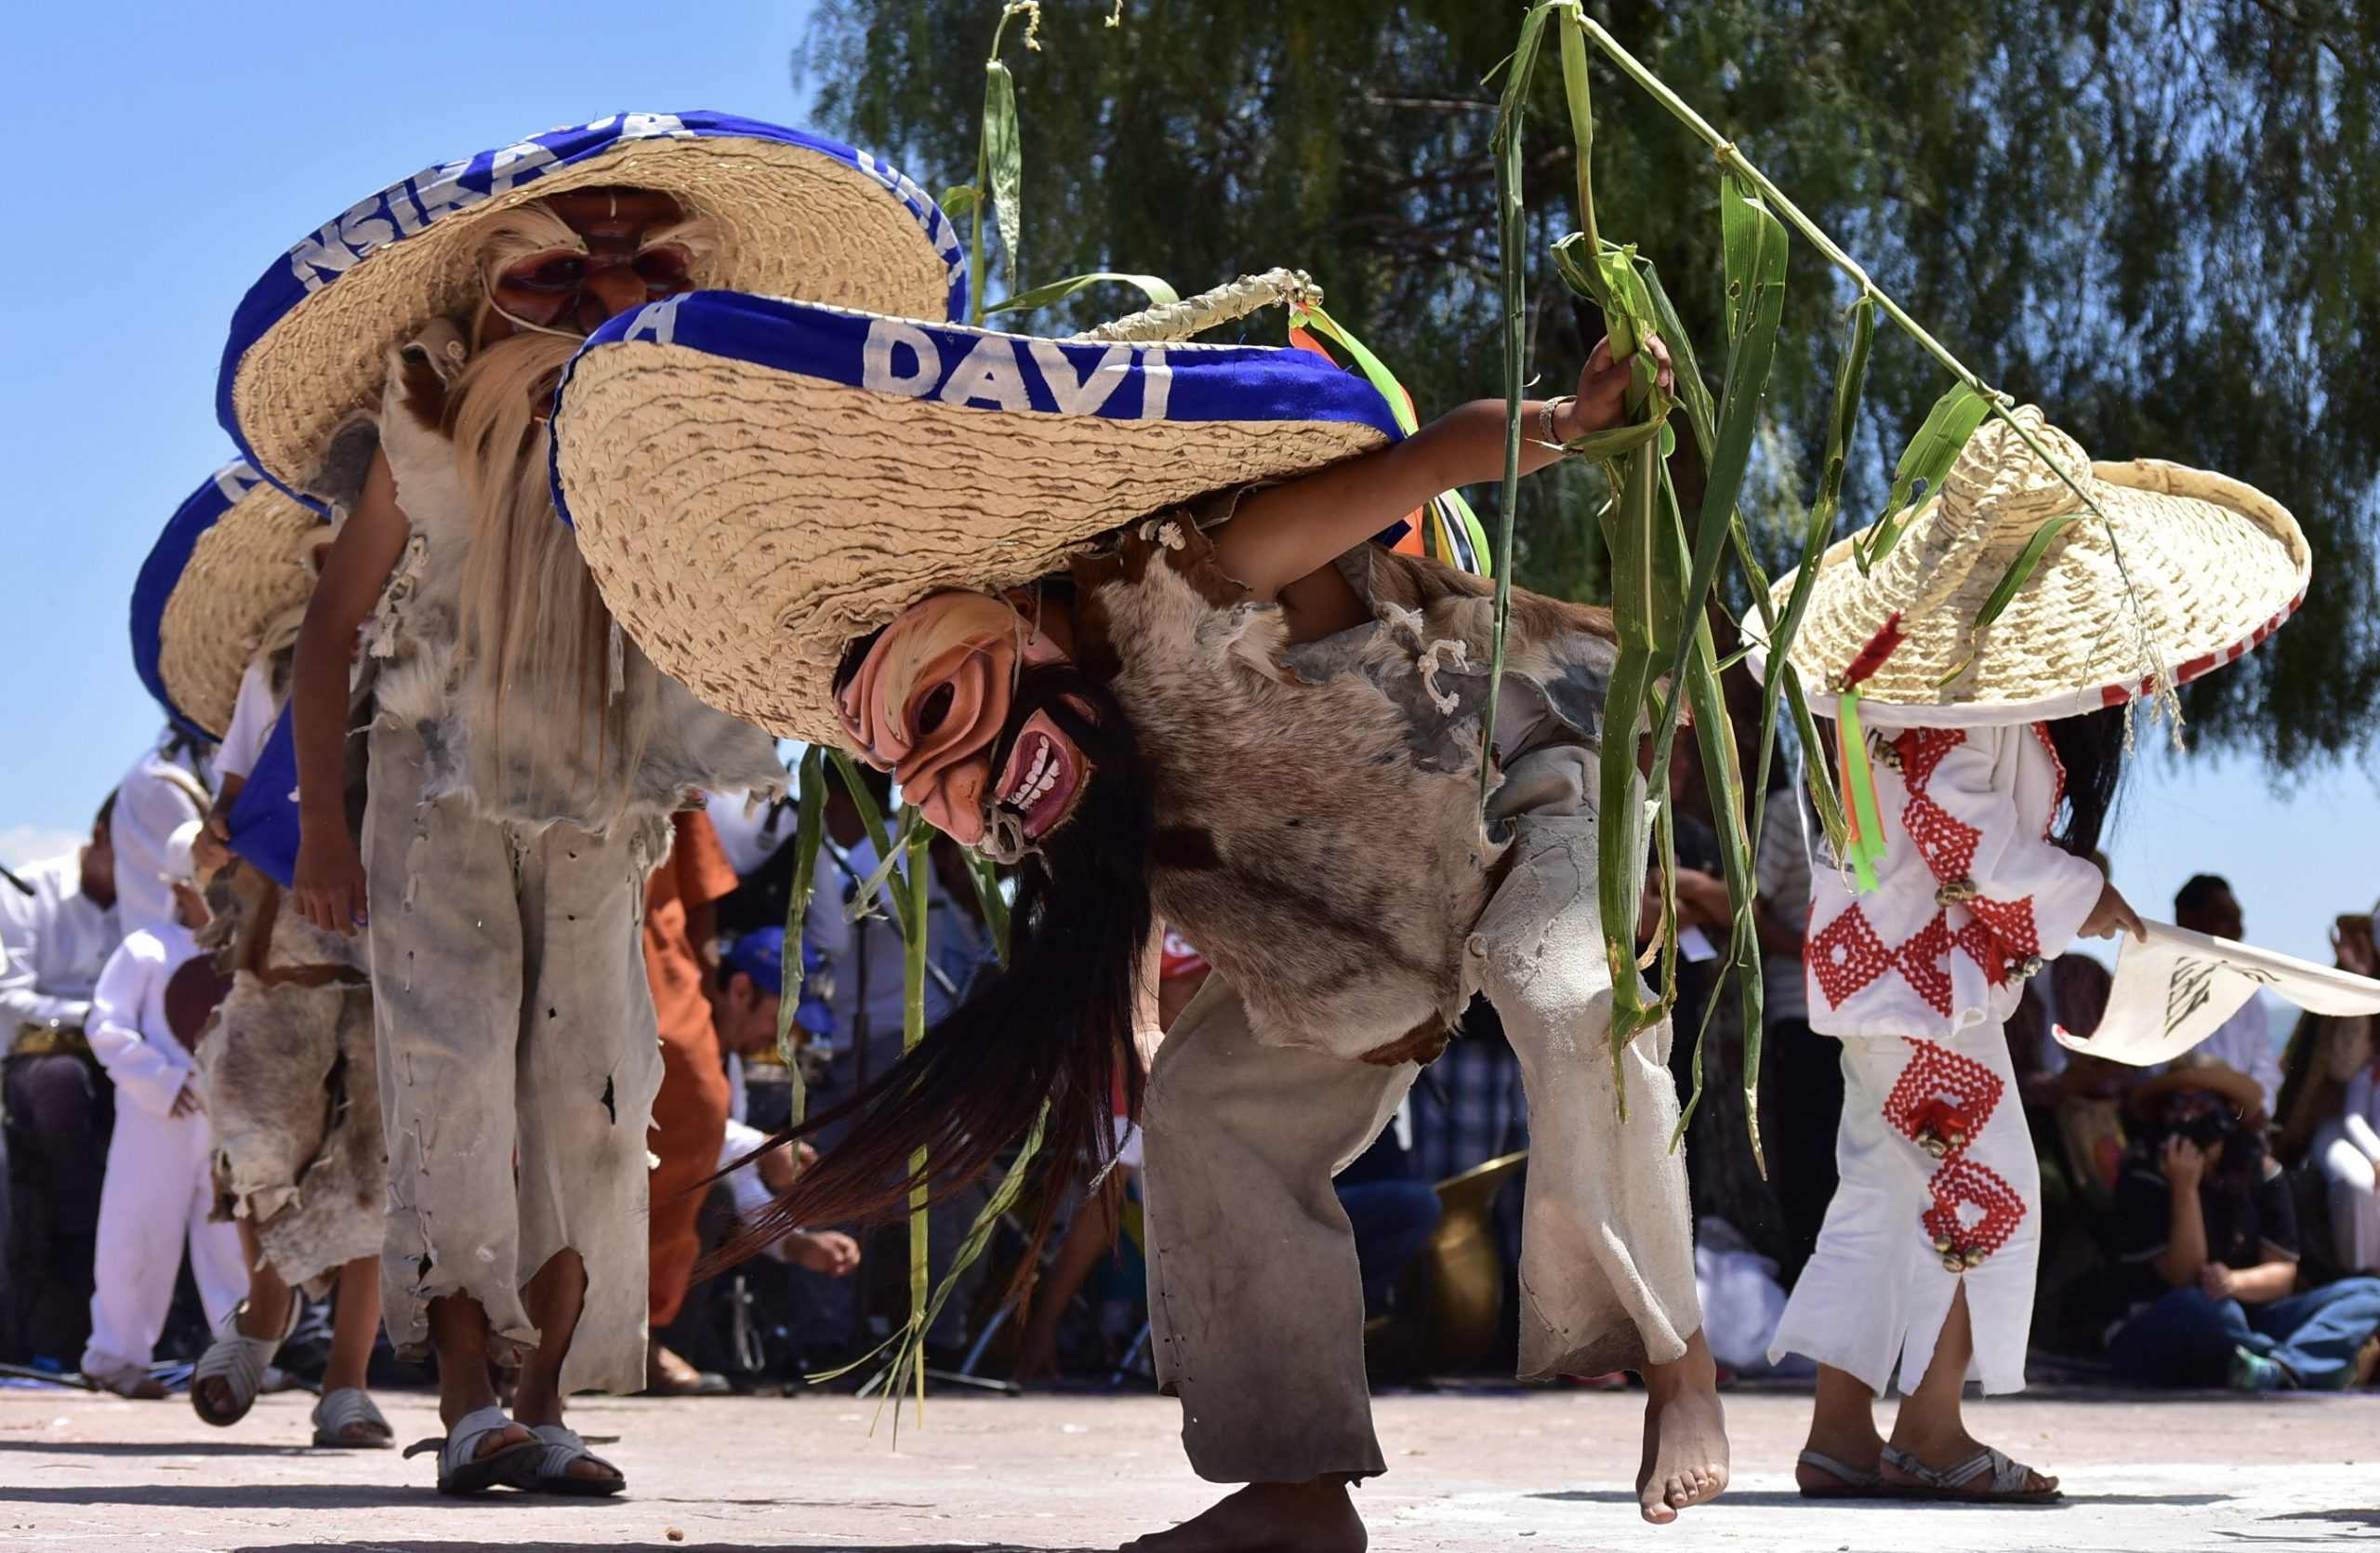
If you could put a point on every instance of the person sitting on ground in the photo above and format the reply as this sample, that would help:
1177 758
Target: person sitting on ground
2206 1233
747 1002
2244 1043
159 1194
58 923
2330 1120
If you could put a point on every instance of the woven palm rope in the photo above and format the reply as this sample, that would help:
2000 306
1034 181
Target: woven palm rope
1195 315
777 556
2188 566
829 232
243 574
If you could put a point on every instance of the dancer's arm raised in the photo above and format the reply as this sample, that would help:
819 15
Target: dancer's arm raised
1287 532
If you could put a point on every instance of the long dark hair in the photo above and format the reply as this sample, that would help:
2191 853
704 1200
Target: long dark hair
2092 749
1054 1025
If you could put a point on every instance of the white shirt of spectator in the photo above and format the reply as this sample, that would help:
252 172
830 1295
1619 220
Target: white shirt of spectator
157 797
128 1031
253 716
53 945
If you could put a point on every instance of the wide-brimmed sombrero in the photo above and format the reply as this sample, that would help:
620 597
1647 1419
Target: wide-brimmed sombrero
2190 570
235 557
806 216
2191 1072
756 483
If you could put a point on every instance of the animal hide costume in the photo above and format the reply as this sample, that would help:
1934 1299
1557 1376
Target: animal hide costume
292 1089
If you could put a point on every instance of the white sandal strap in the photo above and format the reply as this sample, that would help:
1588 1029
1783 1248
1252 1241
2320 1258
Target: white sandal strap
564 1445
342 1410
459 1447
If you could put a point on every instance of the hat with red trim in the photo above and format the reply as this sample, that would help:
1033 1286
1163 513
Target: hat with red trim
2178 573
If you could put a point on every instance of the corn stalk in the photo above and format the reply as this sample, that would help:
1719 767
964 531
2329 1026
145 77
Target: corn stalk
1662 577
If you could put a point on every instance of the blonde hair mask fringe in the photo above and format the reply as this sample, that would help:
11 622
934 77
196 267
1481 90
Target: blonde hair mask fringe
557 712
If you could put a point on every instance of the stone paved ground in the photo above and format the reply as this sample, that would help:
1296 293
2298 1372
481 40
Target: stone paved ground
1533 1469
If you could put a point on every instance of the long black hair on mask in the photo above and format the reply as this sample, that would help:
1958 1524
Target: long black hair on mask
1055 1023
2092 749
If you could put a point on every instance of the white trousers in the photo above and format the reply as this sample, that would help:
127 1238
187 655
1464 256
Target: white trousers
155 1199
2351 1156
1910 1225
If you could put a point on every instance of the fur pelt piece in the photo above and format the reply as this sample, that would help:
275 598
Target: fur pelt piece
1318 826
293 1095
292 1089
427 678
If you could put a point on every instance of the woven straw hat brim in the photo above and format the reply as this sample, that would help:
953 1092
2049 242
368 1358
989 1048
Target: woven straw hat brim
2209 568
2244 1091
805 217
230 563
756 483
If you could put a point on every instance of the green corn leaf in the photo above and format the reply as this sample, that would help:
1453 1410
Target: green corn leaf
1614 442
1850 378
959 201
2021 569
1004 155
1578 97
1158 293
809 832
1729 801
1511 230
1701 416
878 832
1755 245
913 1030
1923 462
986 880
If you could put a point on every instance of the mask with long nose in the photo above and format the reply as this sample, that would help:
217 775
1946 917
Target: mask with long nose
931 703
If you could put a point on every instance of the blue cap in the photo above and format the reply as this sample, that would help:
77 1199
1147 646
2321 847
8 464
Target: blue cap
761 955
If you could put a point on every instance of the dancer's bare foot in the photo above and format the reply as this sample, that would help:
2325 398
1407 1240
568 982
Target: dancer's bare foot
1685 1435
1318 1517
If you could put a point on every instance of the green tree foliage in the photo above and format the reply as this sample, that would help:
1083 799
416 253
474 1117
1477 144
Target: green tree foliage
2153 217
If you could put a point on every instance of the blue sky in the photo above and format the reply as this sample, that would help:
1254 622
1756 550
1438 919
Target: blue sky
164 155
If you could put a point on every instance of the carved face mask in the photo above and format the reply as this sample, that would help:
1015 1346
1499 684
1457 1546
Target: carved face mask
931 703
564 265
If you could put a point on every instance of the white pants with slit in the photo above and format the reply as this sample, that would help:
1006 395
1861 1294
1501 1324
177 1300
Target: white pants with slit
1873 1298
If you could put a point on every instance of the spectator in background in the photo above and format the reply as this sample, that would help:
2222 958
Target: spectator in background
2330 1110
1802 1089
164 792
2206 1234
159 1193
59 924
2242 1043
747 1000
690 1109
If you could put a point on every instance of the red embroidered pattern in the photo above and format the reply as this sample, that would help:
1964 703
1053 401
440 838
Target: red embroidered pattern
1937 1073
1847 955
1923 961
1947 845
1941 1102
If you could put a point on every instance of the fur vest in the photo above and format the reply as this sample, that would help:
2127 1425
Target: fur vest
422 678
1318 827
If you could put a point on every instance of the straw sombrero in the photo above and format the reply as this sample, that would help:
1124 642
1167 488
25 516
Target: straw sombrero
233 558
808 217
756 483
2200 568
2192 1072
